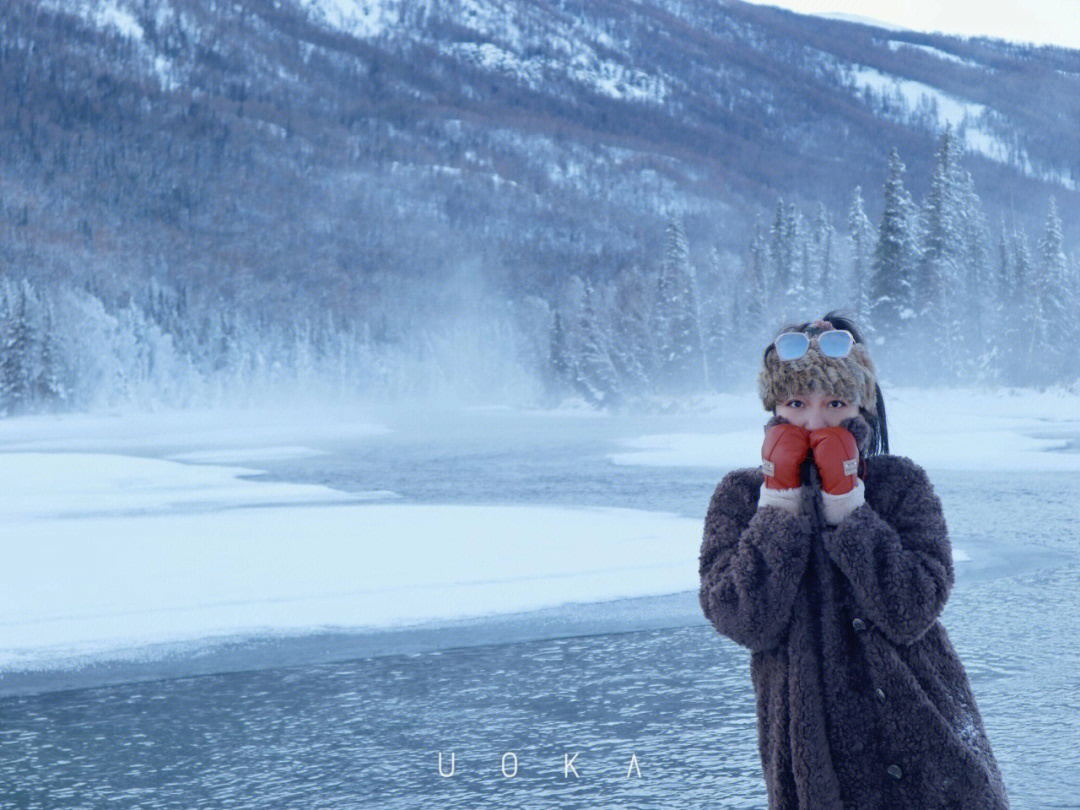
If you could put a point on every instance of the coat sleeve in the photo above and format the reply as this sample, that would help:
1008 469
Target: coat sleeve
899 564
752 562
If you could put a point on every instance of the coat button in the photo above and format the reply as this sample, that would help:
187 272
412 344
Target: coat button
858 624
880 695
895 772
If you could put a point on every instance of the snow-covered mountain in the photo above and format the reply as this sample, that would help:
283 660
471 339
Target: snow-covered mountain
862 20
256 146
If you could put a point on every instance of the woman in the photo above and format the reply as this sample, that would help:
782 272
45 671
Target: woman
831 563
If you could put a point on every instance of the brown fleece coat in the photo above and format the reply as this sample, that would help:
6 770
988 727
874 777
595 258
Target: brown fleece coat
862 702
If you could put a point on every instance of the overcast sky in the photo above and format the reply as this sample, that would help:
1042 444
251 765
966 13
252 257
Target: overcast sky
1046 22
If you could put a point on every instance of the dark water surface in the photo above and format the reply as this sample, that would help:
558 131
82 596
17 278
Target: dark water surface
367 733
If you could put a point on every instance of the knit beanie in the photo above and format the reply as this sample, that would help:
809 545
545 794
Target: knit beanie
852 377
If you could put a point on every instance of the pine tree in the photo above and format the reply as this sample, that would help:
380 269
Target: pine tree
50 386
678 336
939 280
1054 348
676 252
595 373
824 254
1072 337
781 258
633 354
861 236
976 283
758 284
15 388
890 280
567 337
806 294
714 301
698 312
1026 308
6 307
1004 344
733 331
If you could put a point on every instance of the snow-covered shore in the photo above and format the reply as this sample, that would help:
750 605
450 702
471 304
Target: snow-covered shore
109 552
949 429
130 552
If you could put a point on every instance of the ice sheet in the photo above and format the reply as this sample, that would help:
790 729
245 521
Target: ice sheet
106 552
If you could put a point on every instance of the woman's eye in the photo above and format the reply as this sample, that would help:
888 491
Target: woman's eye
841 405
795 403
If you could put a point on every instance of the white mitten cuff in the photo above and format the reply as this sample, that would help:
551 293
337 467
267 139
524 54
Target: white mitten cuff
836 507
787 499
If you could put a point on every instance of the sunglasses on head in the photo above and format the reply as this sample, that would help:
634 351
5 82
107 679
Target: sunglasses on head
832 343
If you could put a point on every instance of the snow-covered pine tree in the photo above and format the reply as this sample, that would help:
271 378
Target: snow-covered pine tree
1026 307
702 382
6 370
678 337
939 280
861 236
595 374
18 340
724 317
794 295
232 343
181 327
1008 330
51 387
805 249
824 254
675 251
757 287
890 278
1055 349
1072 367
806 293
781 258
132 354
570 307
976 283
558 362
687 333
301 353
633 352
734 338
225 333
716 292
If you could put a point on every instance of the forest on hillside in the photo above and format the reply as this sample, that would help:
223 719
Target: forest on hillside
943 297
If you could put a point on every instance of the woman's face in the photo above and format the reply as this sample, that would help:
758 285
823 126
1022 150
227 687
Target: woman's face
813 410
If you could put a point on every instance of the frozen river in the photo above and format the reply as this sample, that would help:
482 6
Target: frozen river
355 717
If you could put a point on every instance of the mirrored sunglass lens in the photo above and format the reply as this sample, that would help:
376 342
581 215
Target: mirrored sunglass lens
834 343
791 345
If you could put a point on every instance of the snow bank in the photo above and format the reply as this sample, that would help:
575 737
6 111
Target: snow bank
220 430
107 554
944 430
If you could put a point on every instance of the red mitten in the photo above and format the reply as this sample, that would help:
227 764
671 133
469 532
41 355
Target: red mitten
836 455
786 446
